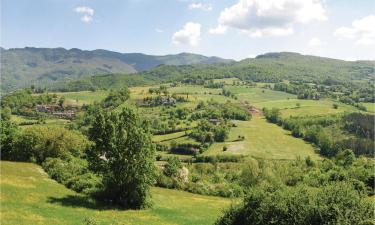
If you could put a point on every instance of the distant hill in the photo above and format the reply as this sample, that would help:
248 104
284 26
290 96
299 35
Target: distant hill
270 67
22 67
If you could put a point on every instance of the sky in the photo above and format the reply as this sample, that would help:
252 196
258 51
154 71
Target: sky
236 29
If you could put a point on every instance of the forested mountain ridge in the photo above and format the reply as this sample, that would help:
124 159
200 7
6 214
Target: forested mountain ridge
21 67
270 67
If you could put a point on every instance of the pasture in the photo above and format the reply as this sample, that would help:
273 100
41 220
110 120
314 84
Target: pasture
263 140
28 196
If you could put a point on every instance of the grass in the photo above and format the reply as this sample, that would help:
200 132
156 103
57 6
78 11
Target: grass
312 107
263 140
82 97
369 106
50 121
257 95
28 196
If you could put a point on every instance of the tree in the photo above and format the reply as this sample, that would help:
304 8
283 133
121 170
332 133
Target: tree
116 98
8 131
123 154
61 101
172 166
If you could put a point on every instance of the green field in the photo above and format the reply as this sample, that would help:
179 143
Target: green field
263 140
369 106
307 107
50 121
82 97
28 196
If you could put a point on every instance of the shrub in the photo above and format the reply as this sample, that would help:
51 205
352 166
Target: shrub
73 173
40 142
337 203
218 158
185 148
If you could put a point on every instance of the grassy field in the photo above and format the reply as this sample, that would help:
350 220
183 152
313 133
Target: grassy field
28 196
370 106
50 121
289 107
263 140
82 97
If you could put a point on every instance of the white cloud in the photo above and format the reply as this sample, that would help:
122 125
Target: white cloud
189 34
315 42
362 31
202 6
87 12
269 18
159 30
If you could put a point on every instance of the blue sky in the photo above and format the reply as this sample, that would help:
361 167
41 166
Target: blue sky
227 28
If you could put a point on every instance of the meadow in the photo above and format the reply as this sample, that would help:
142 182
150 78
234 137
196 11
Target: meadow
263 140
29 197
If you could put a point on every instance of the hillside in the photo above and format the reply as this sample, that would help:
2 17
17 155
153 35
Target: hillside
28 196
270 67
21 67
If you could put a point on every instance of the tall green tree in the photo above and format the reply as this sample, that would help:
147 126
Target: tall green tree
123 154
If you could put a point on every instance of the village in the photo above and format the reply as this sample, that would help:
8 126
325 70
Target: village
57 111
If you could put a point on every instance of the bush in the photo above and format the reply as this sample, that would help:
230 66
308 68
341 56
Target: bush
40 142
337 203
185 149
73 173
218 158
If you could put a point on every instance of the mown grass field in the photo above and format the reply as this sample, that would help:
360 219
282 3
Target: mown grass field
28 196
263 140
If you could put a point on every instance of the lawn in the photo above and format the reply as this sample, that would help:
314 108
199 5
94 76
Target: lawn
263 140
28 196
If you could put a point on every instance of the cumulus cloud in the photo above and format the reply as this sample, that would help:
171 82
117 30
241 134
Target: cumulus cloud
260 18
202 6
87 13
361 30
315 42
189 34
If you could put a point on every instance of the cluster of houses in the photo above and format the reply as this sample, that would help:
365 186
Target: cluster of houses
56 111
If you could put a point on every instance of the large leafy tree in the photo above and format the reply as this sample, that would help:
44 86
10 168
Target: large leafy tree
123 154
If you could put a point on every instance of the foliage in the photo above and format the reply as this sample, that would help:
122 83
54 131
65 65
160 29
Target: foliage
123 154
36 143
8 132
73 173
116 98
206 132
172 166
336 203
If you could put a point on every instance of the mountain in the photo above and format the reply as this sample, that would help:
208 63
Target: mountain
270 67
22 67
